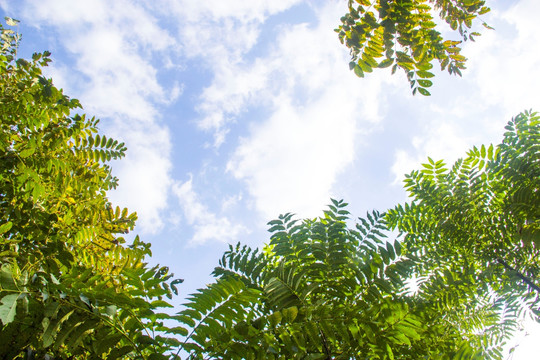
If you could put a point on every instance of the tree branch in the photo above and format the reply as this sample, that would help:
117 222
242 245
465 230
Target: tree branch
325 345
519 275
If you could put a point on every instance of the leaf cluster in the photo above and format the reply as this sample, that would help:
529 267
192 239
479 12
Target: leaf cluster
454 285
480 219
70 286
403 34
321 290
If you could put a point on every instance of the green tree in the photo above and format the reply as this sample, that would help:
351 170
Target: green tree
483 213
403 34
320 290
469 241
69 285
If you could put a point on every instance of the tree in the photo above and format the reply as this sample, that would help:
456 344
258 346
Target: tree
320 290
469 241
483 213
70 287
404 34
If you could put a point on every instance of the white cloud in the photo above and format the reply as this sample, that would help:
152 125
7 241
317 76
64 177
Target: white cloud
145 172
233 89
290 162
317 110
246 11
114 47
130 18
231 201
207 225
505 62
220 34
112 55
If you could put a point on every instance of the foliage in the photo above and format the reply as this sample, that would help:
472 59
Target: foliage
69 286
403 33
320 290
482 213
469 240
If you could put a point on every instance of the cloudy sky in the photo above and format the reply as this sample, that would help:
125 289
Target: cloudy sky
236 111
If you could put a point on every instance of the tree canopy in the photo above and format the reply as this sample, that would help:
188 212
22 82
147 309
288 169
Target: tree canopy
70 287
403 34
321 290
483 213
454 285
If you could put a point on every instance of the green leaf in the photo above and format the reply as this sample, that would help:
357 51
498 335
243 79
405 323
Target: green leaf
484 10
4 228
178 330
369 61
397 247
390 250
117 353
290 313
52 327
8 308
365 66
457 57
424 74
423 91
424 66
275 318
389 352
27 152
424 83
358 71
108 343
405 65
160 304
79 333
386 63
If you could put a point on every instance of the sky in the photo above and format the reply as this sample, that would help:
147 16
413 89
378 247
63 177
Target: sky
237 111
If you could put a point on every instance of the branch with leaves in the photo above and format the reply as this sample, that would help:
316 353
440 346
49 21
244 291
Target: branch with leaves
321 290
403 34
482 213
70 286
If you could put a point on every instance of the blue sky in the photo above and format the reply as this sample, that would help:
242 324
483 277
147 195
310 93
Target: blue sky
236 111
